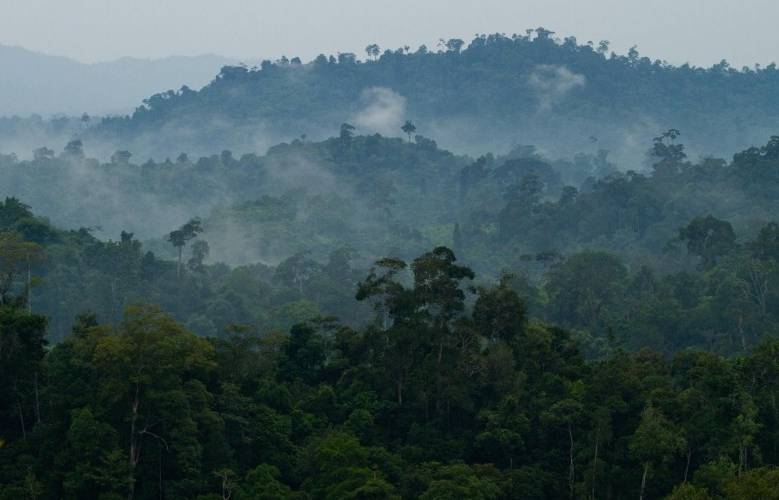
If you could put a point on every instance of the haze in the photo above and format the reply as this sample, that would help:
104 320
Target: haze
695 31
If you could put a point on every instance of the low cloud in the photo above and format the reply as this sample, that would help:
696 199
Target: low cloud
552 83
383 111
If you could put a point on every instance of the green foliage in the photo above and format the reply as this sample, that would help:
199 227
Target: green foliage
559 85
689 491
663 371
708 238
451 393
759 483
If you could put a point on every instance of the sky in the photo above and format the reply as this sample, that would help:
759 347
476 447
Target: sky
701 32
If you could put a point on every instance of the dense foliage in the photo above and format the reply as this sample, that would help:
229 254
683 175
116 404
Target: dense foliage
680 255
277 325
486 95
450 393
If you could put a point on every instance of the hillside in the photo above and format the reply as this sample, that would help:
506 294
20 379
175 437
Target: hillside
492 272
495 92
596 250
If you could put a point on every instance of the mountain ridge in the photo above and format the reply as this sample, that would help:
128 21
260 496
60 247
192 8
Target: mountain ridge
44 84
489 95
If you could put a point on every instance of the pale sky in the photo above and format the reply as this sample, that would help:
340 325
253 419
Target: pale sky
698 31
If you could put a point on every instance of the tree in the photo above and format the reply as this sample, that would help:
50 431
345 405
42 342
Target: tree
409 128
744 428
121 157
705 381
583 288
346 58
709 238
338 466
499 313
669 156
766 245
655 441
74 150
179 238
437 281
437 286
505 430
567 412
297 271
148 372
758 484
454 45
263 482
687 491
388 295
373 51
458 481
396 336
347 132
22 343
304 354
200 252
42 154
99 465
16 257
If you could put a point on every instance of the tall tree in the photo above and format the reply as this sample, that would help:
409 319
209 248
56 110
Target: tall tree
655 441
179 238
373 51
709 238
408 128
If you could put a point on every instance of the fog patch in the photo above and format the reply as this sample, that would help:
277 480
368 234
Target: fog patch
295 172
383 111
552 83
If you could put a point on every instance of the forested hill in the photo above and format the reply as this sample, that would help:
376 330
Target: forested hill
367 316
684 256
483 96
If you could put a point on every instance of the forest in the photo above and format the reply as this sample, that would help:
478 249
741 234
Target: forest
488 94
354 313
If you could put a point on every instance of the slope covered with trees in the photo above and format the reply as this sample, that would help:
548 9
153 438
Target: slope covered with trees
676 257
369 316
484 96
434 399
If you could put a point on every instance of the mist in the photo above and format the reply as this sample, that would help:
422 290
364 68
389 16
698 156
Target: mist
382 263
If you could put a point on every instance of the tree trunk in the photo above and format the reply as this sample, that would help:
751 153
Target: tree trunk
113 301
135 450
571 466
595 467
643 481
741 332
178 265
37 400
159 468
29 286
742 458
687 467
385 318
21 419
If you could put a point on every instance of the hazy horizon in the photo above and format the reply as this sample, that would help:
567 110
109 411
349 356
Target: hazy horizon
691 33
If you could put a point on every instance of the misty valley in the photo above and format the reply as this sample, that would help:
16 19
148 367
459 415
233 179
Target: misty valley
519 267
